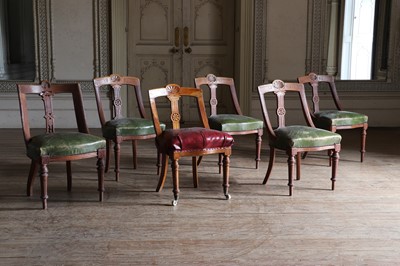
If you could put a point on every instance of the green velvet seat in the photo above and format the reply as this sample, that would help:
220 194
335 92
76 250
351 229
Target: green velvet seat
333 119
127 127
303 137
64 145
232 122
117 128
295 139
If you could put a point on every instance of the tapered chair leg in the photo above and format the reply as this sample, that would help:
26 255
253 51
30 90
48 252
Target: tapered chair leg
134 153
270 164
163 174
31 178
108 148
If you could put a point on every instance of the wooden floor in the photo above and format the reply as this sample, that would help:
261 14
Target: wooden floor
357 224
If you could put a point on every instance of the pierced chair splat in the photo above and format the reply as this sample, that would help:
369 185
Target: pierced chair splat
118 128
52 146
176 142
233 123
334 119
295 139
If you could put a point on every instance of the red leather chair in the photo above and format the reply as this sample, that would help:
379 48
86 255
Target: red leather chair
177 142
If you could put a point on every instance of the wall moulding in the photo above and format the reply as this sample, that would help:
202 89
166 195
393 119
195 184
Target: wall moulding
43 41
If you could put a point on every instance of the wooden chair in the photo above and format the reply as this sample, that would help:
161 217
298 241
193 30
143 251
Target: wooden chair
58 146
338 119
295 139
119 128
177 142
234 124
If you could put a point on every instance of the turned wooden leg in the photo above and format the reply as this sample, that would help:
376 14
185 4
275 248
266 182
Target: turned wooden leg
258 147
363 141
225 183
44 174
175 180
100 173
291 162
335 162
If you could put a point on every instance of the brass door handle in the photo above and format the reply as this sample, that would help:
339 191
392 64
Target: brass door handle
185 36
174 50
188 50
177 37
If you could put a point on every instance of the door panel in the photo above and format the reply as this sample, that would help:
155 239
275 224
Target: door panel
174 41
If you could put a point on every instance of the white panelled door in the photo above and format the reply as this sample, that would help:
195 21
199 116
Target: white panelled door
174 41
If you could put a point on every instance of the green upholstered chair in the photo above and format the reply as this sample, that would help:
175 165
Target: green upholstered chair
117 128
295 139
233 123
334 119
65 145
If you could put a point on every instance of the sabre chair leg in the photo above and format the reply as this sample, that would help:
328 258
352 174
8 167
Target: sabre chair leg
163 174
31 178
117 151
108 148
69 176
298 166
270 164
195 172
134 153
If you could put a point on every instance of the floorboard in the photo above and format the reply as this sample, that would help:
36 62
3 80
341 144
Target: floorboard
357 224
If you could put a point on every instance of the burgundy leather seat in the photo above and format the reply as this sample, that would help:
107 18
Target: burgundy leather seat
191 139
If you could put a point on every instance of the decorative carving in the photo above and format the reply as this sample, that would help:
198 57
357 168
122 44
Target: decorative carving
278 84
115 78
213 101
175 117
173 88
281 111
211 78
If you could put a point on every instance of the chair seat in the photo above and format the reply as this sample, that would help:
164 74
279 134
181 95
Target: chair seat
303 137
192 139
63 144
327 118
128 127
233 122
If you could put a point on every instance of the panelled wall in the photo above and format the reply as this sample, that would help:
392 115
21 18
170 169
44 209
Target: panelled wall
288 38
